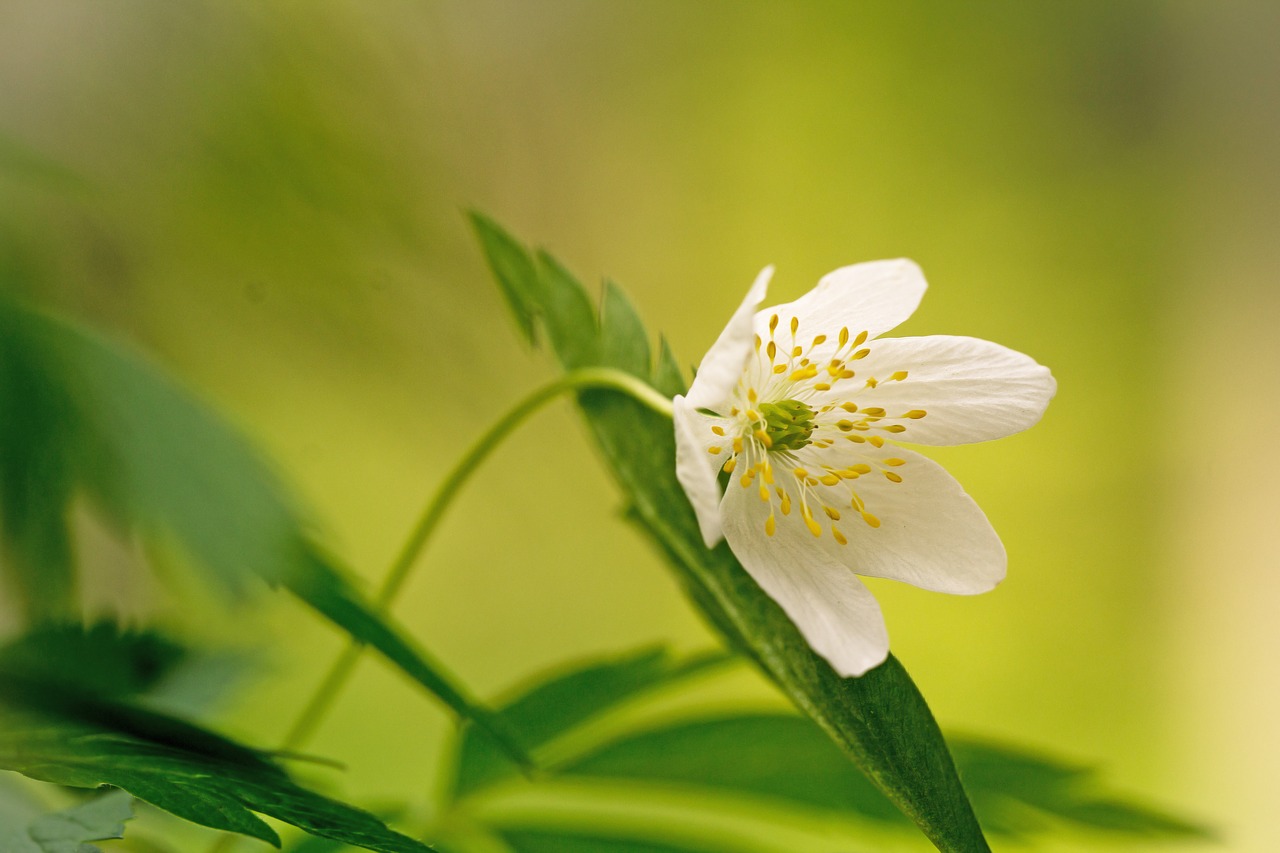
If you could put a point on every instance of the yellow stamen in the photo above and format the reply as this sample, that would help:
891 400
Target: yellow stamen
915 414
715 450
832 513
895 461
770 525
870 519
899 376
893 476
731 464
838 536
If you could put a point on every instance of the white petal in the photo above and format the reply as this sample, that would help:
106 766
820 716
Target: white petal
873 297
722 366
696 468
931 534
970 389
837 615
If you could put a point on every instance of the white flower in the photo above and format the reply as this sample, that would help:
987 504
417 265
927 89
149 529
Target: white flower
799 405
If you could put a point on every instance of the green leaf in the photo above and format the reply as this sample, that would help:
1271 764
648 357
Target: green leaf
880 720
104 659
787 758
556 705
68 737
568 841
624 343
771 755
1013 788
77 413
99 819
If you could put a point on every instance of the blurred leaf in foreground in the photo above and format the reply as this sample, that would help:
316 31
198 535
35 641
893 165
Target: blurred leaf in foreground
879 720
66 738
80 415
99 819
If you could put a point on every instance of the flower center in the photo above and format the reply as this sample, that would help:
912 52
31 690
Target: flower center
788 423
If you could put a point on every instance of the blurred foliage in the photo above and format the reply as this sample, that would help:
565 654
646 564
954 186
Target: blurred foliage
268 197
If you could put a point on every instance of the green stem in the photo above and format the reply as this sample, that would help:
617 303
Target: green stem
584 379
588 378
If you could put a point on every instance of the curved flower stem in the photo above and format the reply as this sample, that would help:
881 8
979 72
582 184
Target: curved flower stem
584 379
588 378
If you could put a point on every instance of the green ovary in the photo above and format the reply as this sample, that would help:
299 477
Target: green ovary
788 423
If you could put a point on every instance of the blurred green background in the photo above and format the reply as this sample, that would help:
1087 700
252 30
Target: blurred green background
269 198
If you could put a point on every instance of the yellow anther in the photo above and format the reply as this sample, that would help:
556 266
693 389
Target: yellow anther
893 476
772 350
844 425
899 376
734 411
838 536
821 386
871 382
747 478
770 525
752 395
834 368
758 342
764 492
849 407
878 441
850 474
814 527
737 444
820 339
773 323
894 428
860 468
717 429
855 438
915 414
832 513
847 374
715 450
753 415
856 502
844 335
829 479
895 461
768 472
763 438
796 352
731 464
803 373
873 412
785 506
799 473
779 368
870 519
862 336
862 353
795 325
811 481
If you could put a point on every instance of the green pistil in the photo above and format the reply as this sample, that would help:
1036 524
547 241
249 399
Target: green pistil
788 423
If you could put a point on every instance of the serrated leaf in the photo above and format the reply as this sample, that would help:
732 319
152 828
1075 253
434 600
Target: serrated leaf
667 377
568 841
557 704
624 343
99 819
55 734
880 720
102 659
77 412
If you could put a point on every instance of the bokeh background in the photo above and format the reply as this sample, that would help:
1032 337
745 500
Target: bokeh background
269 199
